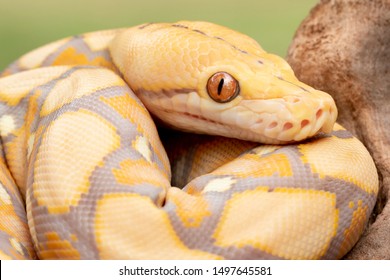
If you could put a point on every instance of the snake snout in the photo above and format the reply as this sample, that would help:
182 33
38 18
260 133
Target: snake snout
320 117
293 117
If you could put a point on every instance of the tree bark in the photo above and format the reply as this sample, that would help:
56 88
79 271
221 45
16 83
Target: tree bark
343 48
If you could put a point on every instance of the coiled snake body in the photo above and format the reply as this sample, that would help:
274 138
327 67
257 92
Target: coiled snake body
84 174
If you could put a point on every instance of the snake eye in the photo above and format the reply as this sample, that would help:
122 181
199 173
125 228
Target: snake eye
222 87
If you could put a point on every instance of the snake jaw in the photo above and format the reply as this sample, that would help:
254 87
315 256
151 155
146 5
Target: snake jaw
273 121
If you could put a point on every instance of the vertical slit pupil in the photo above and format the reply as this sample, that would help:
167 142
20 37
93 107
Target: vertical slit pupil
220 86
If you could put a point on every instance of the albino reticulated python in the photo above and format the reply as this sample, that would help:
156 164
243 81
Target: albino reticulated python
84 174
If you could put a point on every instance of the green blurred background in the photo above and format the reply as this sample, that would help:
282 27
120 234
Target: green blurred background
25 25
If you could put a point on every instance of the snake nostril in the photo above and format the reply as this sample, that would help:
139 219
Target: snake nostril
304 123
287 126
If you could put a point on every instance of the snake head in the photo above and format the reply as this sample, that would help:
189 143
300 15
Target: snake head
204 78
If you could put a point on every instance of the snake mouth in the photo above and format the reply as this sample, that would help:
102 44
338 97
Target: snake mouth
197 117
188 122
272 121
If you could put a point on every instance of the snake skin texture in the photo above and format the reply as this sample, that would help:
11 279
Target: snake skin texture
84 173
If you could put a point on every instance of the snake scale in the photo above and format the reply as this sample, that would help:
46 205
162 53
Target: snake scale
84 174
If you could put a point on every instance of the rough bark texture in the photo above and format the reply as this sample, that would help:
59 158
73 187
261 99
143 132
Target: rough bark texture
343 48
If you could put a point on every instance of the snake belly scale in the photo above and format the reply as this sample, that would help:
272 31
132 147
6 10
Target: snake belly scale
84 174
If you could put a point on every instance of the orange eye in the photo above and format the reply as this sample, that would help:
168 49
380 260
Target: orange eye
222 87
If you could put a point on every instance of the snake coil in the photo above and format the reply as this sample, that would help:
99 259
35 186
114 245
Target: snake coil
84 174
